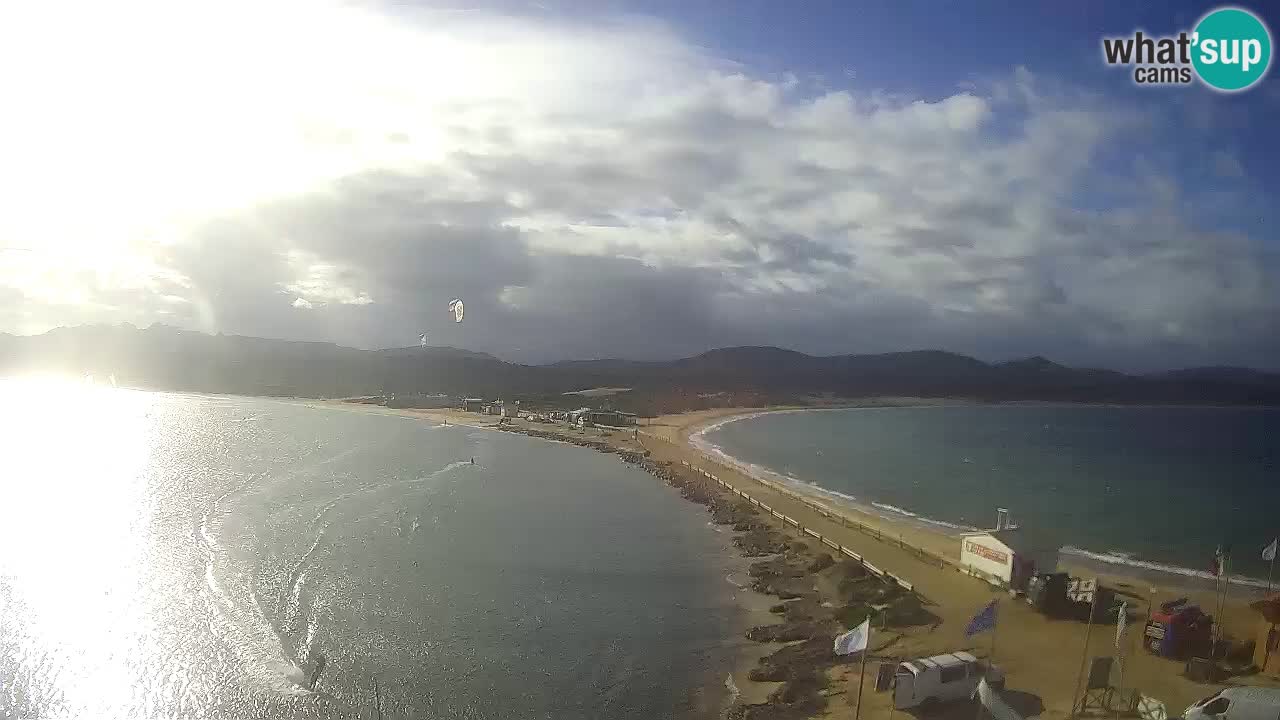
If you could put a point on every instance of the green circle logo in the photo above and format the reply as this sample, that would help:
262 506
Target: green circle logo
1231 49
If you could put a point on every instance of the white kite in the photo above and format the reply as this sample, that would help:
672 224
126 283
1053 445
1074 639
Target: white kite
456 307
422 339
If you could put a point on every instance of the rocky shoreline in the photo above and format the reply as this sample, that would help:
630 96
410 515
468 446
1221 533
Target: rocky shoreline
819 596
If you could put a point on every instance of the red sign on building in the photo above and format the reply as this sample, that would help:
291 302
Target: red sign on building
986 552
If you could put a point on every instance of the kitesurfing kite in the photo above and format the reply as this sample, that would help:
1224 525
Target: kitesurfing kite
422 339
455 307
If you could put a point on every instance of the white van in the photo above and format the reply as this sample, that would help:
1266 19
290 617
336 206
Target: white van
941 678
1237 703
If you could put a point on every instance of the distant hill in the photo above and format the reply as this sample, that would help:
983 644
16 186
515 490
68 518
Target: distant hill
169 358
1237 375
418 351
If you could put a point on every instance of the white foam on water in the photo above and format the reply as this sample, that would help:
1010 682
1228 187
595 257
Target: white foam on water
732 687
894 509
759 472
298 577
295 597
303 654
246 629
237 614
1128 560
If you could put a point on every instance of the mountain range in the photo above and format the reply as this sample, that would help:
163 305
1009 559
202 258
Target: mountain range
168 358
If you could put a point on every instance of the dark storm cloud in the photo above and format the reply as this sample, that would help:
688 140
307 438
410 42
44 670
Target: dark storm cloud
409 244
545 306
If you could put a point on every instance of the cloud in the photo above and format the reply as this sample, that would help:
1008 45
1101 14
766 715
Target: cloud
612 189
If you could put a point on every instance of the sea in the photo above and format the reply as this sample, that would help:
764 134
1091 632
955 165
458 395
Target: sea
1151 491
165 554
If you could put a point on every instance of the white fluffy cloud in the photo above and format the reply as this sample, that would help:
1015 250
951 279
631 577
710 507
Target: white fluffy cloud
603 189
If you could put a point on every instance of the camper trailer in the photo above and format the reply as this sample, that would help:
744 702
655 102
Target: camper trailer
942 678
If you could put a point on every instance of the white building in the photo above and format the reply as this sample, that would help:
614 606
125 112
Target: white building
1006 557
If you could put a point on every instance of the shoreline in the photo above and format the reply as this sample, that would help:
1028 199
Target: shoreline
1109 562
782 583
1040 656
1142 587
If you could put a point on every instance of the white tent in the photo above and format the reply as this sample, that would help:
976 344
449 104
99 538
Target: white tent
1007 557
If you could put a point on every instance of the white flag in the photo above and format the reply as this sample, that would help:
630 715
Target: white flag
1121 618
855 640
1269 552
995 704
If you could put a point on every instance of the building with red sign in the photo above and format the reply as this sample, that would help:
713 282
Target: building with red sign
1007 557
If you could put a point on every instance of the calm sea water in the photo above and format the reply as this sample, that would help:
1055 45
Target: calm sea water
1138 485
164 555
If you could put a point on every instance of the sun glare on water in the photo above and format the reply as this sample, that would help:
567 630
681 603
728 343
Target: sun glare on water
72 540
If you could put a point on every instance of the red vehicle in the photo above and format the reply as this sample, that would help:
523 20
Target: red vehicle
1178 631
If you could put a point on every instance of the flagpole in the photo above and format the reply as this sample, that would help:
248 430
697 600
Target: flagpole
1084 654
1222 607
995 627
1271 571
1119 680
991 657
1226 590
857 712
1218 566
1122 617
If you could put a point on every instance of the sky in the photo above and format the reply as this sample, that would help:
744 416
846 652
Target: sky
642 180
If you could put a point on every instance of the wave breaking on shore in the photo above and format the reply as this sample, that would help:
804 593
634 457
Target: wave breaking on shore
884 511
1125 562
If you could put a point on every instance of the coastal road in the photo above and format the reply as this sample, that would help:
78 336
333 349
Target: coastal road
1042 657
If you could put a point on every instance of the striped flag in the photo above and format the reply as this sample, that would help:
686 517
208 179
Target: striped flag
855 640
985 620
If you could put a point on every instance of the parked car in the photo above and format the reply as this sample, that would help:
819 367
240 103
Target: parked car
942 678
1237 703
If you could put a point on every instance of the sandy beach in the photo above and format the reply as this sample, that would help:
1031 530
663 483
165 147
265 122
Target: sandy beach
1042 657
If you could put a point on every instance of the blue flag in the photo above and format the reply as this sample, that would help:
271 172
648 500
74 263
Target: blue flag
983 621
